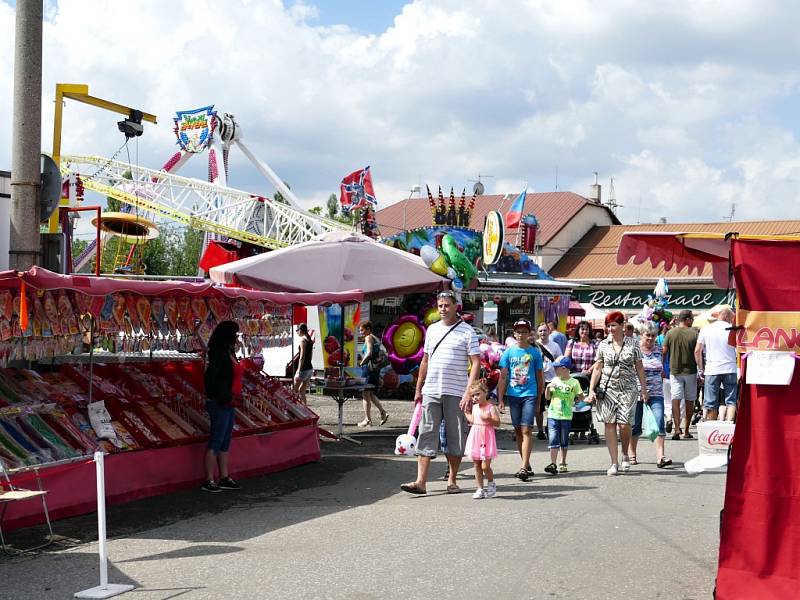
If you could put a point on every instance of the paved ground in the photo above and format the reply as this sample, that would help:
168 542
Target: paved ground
340 528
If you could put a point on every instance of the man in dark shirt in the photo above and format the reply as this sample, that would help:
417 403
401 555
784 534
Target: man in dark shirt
679 345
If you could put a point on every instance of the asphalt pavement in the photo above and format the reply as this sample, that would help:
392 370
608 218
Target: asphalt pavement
341 528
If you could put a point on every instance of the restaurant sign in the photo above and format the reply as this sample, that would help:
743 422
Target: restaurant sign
695 298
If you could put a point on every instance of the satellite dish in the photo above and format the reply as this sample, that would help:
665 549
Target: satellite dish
51 188
478 189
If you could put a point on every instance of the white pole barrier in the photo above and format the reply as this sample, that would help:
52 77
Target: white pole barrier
105 589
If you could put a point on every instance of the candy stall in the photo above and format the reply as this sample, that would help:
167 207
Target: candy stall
92 363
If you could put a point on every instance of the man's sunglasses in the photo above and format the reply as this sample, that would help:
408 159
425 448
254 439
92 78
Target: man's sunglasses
446 295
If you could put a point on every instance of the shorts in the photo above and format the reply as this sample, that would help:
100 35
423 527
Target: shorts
657 406
522 409
728 382
434 409
558 432
221 417
373 377
305 375
683 387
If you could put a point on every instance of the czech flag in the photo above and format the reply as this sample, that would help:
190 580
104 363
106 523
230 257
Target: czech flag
514 214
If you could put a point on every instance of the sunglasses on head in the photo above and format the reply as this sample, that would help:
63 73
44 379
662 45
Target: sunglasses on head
446 295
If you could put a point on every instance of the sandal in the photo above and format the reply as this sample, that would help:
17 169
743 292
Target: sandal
633 460
413 488
523 474
453 489
664 462
676 436
688 436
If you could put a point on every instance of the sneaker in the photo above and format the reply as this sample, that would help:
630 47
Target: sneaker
612 470
384 418
551 468
479 494
226 483
541 436
626 464
210 486
562 468
364 423
491 489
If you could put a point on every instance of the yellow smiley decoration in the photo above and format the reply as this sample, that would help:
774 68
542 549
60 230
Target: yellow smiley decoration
407 339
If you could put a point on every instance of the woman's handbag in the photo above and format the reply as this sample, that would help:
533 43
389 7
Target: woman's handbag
601 394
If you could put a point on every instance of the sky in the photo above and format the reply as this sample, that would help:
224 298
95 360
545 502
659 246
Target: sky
691 107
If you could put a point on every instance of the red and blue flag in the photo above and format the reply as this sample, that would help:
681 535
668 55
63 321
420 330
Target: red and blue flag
514 214
356 190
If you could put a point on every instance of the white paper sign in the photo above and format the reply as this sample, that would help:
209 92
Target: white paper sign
767 367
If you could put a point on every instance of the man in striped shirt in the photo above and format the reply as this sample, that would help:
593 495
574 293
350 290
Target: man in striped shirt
451 348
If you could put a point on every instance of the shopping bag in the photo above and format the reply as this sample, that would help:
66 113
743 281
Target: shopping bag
649 424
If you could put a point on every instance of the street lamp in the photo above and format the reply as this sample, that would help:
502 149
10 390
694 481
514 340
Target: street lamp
415 189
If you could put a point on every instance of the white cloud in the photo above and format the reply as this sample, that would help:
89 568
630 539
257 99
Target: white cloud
683 103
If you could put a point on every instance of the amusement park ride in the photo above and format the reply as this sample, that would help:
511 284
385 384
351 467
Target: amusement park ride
208 206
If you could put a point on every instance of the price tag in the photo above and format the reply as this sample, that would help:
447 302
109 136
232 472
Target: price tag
766 367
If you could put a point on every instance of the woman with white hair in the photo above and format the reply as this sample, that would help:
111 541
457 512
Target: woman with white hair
653 363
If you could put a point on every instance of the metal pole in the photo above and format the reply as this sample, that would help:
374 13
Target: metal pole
26 136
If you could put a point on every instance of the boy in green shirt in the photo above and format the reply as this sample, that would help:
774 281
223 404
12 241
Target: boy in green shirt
562 392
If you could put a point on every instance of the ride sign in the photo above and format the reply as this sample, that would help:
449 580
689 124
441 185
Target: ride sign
492 238
193 128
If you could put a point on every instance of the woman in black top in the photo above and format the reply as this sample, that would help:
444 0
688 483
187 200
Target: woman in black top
304 367
223 381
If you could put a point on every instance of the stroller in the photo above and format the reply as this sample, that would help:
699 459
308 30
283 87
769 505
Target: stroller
582 422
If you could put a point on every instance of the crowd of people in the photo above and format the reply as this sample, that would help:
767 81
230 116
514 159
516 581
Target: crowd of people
632 369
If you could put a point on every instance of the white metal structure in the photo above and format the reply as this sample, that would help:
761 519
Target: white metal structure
206 206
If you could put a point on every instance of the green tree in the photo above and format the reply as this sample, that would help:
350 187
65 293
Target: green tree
333 206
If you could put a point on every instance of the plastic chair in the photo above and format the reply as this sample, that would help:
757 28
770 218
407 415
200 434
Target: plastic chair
14 494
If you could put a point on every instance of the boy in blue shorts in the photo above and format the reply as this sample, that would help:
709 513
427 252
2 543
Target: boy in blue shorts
562 392
520 387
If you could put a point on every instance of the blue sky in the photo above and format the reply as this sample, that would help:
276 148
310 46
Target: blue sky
689 105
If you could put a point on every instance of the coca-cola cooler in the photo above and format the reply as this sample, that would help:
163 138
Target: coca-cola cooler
714 439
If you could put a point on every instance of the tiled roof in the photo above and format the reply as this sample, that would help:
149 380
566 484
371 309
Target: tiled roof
553 210
594 257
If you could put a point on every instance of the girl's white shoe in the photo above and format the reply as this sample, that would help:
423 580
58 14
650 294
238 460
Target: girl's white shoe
479 494
612 471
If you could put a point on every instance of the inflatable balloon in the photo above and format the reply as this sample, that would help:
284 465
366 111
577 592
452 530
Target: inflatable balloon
430 316
390 380
406 444
404 342
455 258
433 259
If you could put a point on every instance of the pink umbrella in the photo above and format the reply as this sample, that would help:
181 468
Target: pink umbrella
333 262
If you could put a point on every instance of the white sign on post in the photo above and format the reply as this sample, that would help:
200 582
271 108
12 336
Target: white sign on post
768 367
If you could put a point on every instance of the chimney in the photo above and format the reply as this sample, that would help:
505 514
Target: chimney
595 191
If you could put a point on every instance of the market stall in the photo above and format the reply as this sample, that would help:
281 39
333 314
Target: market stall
90 363
759 536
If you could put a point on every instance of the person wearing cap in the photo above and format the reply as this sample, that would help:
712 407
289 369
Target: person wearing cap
614 387
520 387
680 343
562 393
450 352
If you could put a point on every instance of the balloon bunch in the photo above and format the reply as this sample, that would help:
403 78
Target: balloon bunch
490 362
655 308
449 262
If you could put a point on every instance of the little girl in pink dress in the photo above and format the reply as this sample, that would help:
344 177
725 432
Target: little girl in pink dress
481 441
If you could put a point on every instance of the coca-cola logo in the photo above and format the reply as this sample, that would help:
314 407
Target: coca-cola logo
716 438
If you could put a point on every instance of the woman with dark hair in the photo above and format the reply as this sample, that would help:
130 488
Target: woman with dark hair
582 349
304 367
370 354
613 386
223 383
